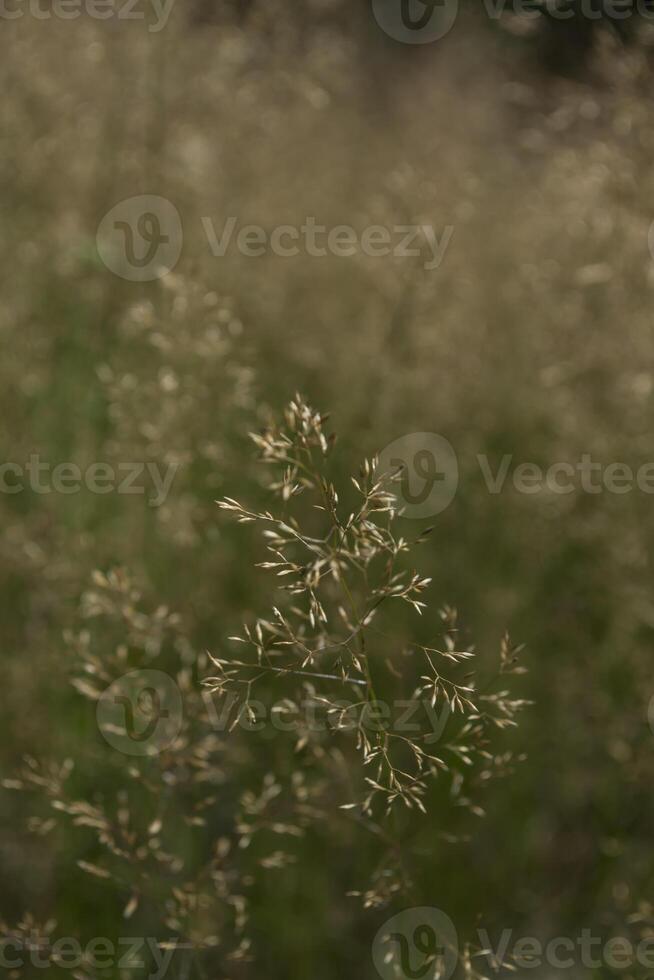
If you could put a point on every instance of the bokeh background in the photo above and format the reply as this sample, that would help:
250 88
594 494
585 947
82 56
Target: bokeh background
535 142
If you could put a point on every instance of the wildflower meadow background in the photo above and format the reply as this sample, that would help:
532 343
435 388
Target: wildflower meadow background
255 258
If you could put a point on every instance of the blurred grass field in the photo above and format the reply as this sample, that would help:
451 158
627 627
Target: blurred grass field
532 338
